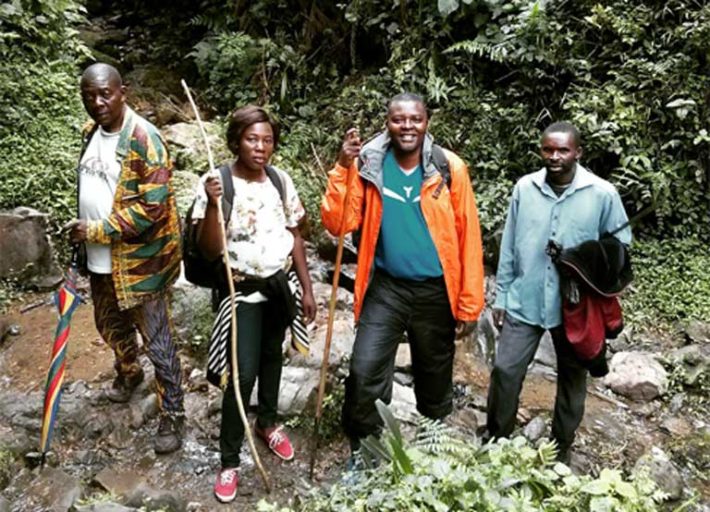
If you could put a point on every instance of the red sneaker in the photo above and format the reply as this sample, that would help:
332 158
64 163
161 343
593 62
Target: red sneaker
225 488
277 440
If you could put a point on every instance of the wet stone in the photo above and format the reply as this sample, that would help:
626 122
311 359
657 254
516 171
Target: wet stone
120 483
55 490
105 507
156 499
535 429
4 505
97 426
662 471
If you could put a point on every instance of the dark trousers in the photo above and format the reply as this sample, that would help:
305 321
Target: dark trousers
259 337
392 307
118 329
515 351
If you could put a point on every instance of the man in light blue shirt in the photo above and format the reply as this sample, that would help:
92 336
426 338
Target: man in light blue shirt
566 203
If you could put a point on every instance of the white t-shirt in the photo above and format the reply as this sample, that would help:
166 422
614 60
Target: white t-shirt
98 177
258 242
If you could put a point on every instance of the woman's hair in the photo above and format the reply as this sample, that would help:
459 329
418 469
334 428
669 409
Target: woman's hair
243 118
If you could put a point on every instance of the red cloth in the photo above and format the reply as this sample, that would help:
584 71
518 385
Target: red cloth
590 322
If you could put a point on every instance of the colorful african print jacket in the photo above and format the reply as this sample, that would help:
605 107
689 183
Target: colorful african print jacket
143 227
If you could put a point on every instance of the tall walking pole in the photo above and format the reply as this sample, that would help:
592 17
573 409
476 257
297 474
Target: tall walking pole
233 316
329 332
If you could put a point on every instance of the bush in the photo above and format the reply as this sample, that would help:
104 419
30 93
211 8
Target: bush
671 283
441 472
41 113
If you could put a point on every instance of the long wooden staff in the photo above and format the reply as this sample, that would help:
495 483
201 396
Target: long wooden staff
329 331
233 316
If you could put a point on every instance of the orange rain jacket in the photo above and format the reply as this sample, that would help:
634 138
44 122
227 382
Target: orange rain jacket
452 219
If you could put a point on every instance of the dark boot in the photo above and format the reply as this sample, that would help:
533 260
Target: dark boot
170 432
123 387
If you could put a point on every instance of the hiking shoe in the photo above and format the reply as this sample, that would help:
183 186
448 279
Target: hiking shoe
225 488
277 440
168 438
123 387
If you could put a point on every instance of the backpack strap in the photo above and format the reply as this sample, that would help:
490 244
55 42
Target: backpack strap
278 181
225 173
438 158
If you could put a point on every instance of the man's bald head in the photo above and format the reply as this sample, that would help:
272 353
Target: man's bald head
104 95
104 72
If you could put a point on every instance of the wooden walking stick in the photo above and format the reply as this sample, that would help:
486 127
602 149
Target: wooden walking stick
329 331
233 316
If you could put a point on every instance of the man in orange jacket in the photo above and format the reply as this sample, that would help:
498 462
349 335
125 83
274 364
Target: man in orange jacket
420 260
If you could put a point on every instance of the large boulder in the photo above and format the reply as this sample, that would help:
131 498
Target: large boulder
26 253
636 375
192 315
187 146
184 184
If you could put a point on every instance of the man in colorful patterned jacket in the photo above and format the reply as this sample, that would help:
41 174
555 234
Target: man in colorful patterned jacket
128 224
420 260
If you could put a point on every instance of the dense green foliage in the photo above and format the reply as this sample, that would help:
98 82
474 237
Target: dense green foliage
440 472
633 77
671 283
40 110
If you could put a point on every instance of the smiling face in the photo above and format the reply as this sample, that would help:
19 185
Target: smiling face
104 98
407 123
560 153
256 146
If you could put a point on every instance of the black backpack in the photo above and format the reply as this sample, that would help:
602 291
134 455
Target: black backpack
199 270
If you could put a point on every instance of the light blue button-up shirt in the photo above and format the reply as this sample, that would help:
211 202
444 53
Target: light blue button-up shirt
527 282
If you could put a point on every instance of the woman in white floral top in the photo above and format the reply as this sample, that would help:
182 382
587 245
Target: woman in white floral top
263 241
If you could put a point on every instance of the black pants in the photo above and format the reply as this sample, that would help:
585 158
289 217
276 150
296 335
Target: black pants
391 307
260 337
515 351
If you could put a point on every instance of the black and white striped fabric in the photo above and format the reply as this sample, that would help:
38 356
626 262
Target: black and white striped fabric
217 362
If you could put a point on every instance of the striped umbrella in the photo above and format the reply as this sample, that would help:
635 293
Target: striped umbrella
66 299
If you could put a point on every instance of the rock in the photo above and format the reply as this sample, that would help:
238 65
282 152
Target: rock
105 507
676 403
341 344
622 342
298 385
188 147
343 300
26 253
98 425
184 184
150 406
465 419
4 505
192 314
637 376
486 337
697 332
535 429
404 404
147 498
405 379
54 490
694 361
403 359
662 471
120 437
118 482
545 354
677 427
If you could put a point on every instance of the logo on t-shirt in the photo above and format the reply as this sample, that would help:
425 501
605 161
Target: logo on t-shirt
94 167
